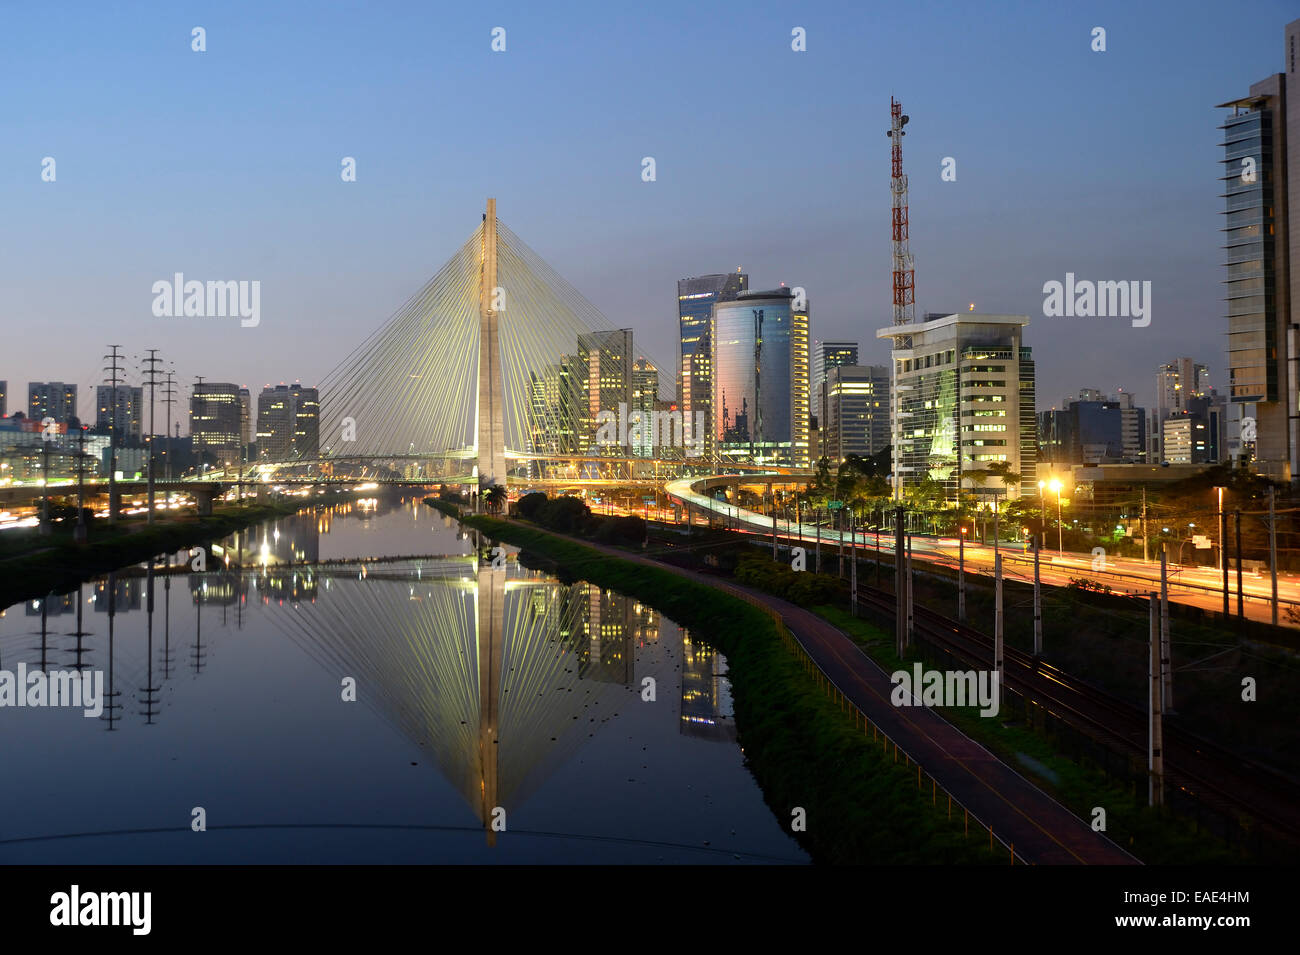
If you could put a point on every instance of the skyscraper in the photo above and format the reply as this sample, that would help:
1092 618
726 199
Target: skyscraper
825 356
288 423
1261 186
215 426
758 378
1177 383
52 399
605 358
247 433
645 393
695 300
857 411
963 399
4 398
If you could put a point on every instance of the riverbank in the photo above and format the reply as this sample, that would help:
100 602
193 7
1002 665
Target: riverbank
804 750
56 563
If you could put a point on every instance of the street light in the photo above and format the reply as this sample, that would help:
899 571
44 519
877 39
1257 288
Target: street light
1056 486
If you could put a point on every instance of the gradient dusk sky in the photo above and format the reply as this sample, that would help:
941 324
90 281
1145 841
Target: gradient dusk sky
225 165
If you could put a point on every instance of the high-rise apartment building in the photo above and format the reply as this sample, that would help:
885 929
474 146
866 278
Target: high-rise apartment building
1261 188
51 399
760 378
119 409
288 423
963 398
215 426
1177 383
857 412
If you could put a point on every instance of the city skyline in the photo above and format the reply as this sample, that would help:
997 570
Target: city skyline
340 259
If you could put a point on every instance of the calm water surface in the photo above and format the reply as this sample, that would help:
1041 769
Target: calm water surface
482 693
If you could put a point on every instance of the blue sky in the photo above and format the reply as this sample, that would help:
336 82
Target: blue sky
225 165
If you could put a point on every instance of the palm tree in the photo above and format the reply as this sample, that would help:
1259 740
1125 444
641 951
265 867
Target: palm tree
495 497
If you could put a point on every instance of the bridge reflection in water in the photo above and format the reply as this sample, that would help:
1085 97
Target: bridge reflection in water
501 673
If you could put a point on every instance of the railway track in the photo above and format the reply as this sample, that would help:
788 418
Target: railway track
1218 778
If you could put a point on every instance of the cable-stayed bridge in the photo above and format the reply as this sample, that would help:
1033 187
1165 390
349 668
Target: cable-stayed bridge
499 371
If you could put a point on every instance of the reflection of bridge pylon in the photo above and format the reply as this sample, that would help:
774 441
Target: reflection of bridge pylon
491 648
482 668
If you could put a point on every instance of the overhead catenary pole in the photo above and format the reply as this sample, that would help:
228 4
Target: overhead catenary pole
1155 758
911 631
1223 552
961 573
1241 598
900 598
1166 650
1038 602
1144 524
853 566
1272 550
998 648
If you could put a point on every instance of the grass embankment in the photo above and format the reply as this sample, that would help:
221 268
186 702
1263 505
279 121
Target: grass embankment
803 750
55 563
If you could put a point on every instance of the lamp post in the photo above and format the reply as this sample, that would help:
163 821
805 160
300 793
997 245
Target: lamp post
1055 485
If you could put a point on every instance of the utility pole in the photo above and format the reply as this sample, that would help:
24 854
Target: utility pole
1155 731
152 381
79 533
169 399
114 369
1038 603
1272 550
46 526
1166 649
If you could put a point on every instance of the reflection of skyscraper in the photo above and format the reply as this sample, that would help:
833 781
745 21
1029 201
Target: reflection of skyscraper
609 651
707 709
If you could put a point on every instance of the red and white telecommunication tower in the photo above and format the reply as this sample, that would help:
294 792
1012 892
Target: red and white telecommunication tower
904 274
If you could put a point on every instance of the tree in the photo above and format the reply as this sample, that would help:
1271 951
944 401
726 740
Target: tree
495 496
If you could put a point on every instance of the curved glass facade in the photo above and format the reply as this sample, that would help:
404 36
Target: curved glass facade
753 362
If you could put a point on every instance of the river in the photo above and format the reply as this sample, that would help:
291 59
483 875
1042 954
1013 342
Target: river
366 684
